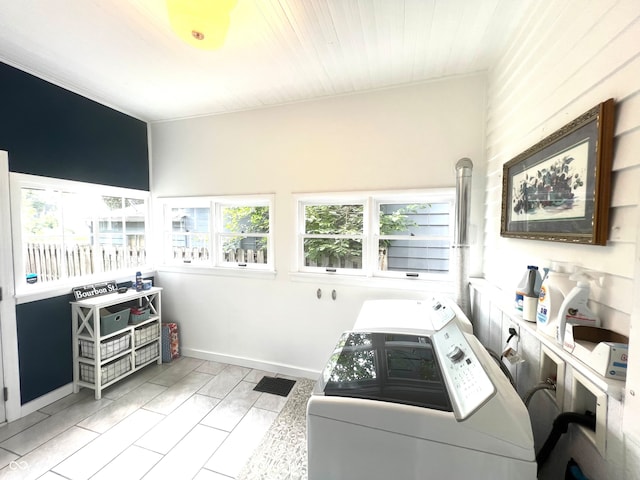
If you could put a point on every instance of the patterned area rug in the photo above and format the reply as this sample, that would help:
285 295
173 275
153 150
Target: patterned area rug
282 455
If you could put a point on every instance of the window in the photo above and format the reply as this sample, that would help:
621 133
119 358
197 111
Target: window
218 232
333 235
390 235
188 237
414 237
72 230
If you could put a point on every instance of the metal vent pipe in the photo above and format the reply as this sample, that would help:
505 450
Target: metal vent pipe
464 168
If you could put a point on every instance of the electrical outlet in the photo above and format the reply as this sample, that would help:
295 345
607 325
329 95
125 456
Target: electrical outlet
513 329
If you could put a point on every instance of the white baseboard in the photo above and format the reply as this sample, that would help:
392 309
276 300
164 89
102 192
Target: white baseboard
46 399
252 363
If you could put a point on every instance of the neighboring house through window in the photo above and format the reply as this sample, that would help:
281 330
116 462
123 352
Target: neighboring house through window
399 234
232 232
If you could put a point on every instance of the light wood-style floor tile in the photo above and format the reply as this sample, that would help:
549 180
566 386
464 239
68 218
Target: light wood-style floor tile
67 401
106 418
48 455
6 457
132 382
205 474
187 458
17 426
233 407
132 464
220 385
45 430
231 456
237 371
212 368
177 370
164 436
94 456
189 419
255 376
176 394
269 401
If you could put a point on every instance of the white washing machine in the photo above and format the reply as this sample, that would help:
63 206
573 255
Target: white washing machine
415 398
411 315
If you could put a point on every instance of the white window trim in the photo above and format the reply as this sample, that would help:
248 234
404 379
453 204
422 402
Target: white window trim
329 199
446 196
18 181
216 265
371 235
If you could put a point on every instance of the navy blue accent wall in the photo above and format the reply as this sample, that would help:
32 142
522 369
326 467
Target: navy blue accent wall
52 132
44 346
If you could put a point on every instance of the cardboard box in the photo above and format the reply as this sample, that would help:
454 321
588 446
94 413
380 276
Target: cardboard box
604 351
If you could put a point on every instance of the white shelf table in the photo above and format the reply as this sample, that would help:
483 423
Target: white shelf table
144 338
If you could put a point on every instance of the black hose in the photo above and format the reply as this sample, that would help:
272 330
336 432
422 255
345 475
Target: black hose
560 426
502 366
547 385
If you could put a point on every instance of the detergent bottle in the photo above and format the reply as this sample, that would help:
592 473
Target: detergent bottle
529 286
554 288
574 308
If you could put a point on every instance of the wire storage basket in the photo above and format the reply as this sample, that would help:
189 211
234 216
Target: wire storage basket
147 353
108 372
146 333
108 348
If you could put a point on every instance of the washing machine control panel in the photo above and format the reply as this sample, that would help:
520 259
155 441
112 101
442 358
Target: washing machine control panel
440 314
467 381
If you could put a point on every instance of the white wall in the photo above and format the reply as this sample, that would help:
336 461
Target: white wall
408 137
567 57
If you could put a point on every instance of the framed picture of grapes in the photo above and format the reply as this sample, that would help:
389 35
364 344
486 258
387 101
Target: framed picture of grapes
559 189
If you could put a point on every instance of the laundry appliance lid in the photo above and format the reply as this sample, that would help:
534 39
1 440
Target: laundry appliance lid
413 316
390 367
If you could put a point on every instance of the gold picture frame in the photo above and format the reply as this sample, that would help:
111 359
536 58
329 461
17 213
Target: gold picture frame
560 188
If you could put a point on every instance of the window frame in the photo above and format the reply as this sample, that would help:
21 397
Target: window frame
444 196
324 199
371 230
215 204
20 181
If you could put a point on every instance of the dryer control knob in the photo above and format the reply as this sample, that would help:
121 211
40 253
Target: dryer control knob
456 354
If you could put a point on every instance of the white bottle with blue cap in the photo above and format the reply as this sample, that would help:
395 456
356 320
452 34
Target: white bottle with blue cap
555 287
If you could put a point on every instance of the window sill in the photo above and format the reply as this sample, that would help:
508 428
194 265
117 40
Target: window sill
43 291
444 286
219 271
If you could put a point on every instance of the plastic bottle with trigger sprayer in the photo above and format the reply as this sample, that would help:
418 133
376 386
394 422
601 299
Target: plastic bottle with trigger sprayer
574 308
555 287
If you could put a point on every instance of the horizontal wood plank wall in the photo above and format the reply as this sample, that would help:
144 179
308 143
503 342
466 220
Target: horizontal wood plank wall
567 57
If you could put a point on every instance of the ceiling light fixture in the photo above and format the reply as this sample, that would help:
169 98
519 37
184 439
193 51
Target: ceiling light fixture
201 23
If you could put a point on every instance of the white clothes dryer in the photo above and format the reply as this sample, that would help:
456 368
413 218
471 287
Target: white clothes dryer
427 403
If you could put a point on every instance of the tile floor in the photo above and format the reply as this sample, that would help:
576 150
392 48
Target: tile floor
187 419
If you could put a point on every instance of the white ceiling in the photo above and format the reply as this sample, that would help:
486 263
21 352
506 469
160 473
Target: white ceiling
123 53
